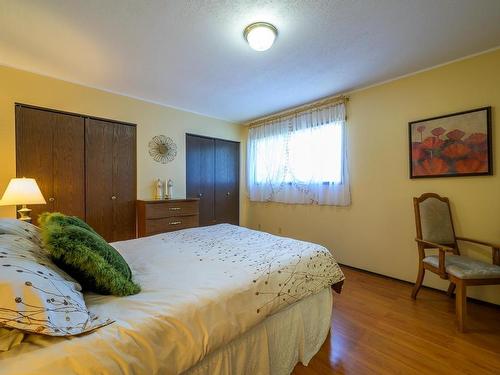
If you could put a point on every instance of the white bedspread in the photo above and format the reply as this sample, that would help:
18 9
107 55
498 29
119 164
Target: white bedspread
202 288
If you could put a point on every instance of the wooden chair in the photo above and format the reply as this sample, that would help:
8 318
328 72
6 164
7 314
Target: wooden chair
435 231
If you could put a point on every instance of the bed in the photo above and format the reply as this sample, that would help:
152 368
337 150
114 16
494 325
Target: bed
215 300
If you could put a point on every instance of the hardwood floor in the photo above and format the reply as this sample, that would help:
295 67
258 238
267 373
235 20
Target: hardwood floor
379 329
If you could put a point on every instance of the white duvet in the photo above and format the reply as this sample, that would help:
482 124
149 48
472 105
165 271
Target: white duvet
201 288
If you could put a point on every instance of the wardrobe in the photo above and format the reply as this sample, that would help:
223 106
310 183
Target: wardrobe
213 176
84 166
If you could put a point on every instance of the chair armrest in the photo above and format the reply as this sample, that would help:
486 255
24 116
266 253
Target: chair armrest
495 248
435 245
484 243
442 253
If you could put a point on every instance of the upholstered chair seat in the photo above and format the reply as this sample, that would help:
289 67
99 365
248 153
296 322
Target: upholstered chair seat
465 268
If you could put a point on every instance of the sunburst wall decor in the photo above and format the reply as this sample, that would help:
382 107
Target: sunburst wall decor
162 149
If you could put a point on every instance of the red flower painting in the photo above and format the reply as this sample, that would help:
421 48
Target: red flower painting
456 151
434 166
451 145
476 139
417 152
437 132
455 135
468 165
432 143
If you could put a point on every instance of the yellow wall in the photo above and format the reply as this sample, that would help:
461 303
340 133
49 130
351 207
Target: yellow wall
376 233
151 120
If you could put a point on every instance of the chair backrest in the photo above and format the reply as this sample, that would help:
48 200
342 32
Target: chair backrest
433 219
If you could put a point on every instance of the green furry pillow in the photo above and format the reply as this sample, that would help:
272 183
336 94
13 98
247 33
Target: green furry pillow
58 218
82 253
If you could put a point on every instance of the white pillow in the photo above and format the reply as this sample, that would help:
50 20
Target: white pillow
21 228
36 296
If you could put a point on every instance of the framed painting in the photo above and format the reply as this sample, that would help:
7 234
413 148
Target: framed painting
453 145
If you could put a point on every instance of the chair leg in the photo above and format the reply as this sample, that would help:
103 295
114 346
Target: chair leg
418 283
451 289
461 305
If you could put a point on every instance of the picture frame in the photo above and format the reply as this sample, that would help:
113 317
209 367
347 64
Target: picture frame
454 145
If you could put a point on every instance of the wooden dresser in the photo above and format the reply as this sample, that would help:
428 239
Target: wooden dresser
159 216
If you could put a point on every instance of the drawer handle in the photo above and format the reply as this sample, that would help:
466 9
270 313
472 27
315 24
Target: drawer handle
51 199
174 208
175 223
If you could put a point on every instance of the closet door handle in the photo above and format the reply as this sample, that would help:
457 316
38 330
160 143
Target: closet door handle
200 195
113 197
228 194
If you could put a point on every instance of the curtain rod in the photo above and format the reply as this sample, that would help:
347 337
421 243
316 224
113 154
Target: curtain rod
296 110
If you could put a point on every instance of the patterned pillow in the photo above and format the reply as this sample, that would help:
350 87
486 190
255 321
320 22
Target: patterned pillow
21 228
38 297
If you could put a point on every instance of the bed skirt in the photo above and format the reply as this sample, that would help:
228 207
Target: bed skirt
277 344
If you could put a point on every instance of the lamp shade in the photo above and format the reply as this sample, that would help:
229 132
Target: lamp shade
22 191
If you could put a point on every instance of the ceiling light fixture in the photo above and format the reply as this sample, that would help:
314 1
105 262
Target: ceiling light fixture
260 35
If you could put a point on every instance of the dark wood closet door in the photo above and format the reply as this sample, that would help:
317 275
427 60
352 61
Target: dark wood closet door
227 177
124 182
34 152
99 136
50 148
69 165
200 165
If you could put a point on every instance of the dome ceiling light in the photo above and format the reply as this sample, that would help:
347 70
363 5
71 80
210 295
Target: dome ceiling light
260 35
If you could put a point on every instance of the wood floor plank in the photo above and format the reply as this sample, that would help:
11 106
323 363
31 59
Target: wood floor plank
378 329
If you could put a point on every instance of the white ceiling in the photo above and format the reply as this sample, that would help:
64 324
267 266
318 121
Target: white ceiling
191 54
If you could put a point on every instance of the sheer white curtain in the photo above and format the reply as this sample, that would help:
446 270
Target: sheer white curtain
300 159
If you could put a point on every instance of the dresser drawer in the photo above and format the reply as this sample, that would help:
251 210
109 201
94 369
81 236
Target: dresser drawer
170 209
155 217
169 224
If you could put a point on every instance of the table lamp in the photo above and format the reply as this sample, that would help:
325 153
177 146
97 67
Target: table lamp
22 191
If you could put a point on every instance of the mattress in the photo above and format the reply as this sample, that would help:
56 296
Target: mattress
202 288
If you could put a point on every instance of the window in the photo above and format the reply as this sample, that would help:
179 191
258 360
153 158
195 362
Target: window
321 163
300 159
